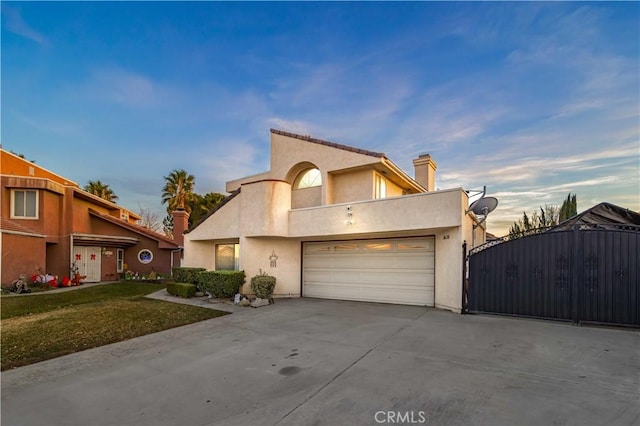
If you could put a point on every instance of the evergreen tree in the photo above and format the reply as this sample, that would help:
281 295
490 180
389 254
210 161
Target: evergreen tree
569 207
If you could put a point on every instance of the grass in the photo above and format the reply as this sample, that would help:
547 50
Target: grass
44 326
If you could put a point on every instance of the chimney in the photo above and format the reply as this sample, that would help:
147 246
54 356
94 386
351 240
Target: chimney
180 224
425 171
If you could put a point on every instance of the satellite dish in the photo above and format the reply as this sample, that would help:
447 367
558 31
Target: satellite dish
484 206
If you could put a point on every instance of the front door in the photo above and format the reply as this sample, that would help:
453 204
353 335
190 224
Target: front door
88 261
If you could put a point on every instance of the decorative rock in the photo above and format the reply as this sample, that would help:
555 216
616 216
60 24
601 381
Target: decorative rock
245 302
199 294
259 302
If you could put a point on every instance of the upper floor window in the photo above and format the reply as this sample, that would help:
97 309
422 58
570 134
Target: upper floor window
24 204
381 187
308 179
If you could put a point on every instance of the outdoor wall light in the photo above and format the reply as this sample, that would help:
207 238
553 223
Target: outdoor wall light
349 220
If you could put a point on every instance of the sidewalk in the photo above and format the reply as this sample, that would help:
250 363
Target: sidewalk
203 302
61 289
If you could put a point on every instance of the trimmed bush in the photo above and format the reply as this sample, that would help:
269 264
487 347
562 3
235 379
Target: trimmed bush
221 284
263 285
186 275
181 289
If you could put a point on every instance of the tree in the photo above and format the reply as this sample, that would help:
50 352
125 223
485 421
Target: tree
569 207
548 216
177 192
149 219
167 226
203 204
102 190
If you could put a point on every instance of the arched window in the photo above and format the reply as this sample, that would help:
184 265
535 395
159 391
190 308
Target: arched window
307 179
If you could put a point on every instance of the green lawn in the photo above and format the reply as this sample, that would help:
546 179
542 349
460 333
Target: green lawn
43 326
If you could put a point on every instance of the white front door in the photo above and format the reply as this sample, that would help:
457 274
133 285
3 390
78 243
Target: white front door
88 260
398 270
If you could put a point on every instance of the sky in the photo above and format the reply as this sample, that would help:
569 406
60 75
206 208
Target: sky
534 100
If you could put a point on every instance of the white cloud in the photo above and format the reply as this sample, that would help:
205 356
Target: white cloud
17 25
124 87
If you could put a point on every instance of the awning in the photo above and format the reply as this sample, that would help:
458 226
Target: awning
103 240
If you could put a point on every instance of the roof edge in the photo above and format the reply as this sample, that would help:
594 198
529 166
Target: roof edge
215 209
328 143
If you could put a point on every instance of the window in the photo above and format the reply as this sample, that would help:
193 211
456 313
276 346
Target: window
308 179
119 260
381 187
378 246
227 257
25 204
145 256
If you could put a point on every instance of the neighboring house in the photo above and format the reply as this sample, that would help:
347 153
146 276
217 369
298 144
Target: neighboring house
602 215
333 221
48 222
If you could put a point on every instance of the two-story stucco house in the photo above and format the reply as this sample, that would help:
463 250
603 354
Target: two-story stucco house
333 221
48 223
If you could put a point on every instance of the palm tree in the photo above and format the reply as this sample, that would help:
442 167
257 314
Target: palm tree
178 191
102 190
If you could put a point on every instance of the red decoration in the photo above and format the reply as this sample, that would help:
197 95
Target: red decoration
78 256
93 257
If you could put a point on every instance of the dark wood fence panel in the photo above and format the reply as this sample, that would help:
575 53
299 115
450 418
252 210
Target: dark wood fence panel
581 275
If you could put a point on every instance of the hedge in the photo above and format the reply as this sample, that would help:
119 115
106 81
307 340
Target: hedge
221 284
181 289
186 275
263 285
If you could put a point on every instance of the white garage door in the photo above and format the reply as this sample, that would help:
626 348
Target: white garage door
388 271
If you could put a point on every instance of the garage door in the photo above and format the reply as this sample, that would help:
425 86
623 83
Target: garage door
388 271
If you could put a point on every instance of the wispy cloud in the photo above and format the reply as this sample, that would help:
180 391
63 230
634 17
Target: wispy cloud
16 24
124 87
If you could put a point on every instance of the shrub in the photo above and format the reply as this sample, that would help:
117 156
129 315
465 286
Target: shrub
186 275
181 289
221 283
263 285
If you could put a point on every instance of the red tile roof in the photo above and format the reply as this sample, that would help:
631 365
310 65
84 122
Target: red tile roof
11 226
135 228
327 143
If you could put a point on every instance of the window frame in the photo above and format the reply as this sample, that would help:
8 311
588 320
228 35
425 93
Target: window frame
119 260
37 204
303 174
236 256
145 262
379 187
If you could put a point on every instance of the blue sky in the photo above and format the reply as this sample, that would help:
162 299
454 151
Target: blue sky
534 100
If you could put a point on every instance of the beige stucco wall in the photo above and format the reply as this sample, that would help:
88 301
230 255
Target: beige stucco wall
306 197
254 256
223 224
449 269
417 212
350 186
287 154
264 208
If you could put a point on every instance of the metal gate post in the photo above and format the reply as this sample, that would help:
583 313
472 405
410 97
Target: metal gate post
465 282
576 260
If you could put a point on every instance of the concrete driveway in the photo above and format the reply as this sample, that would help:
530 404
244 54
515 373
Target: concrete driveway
317 362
